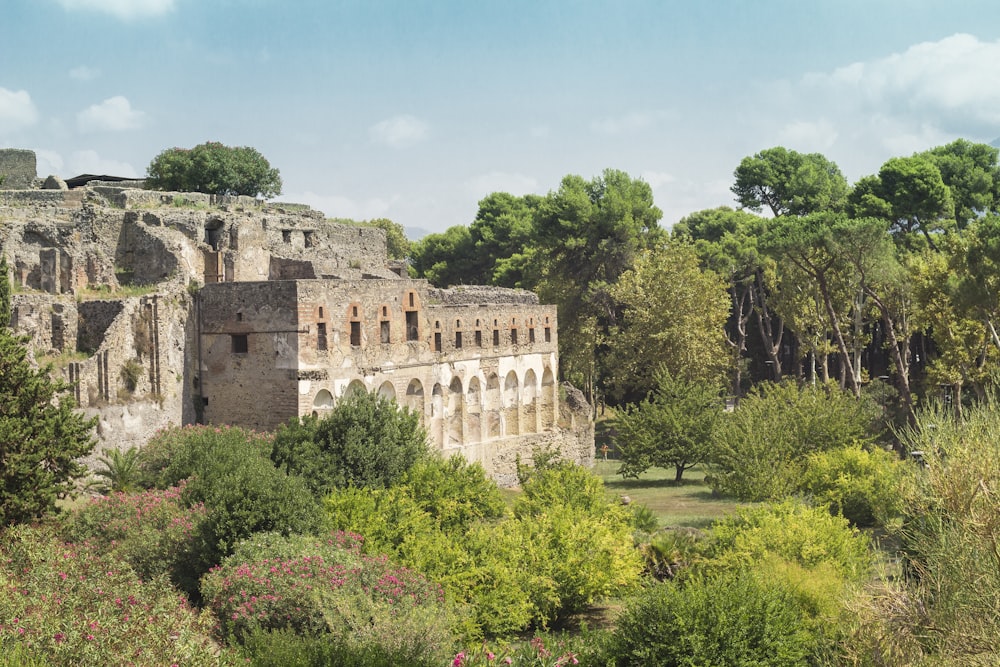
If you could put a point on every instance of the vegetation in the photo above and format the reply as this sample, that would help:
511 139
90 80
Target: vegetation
41 436
215 169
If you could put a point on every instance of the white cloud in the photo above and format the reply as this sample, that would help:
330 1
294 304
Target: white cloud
48 162
398 131
84 73
499 181
336 206
16 109
808 136
657 179
113 114
951 83
123 9
629 123
90 162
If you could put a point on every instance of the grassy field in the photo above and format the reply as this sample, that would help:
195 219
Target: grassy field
689 503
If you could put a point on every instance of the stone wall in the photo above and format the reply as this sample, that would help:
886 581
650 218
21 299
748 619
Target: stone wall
18 169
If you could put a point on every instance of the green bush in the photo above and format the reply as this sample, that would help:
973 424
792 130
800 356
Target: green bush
453 491
865 487
792 531
366 441
330 588
242 498
153 531
68 604
566 546
759 449
177 452
731 619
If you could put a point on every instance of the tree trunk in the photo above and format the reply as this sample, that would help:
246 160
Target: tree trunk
678 472
899 357
838 336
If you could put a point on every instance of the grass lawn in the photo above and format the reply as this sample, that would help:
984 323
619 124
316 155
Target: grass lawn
689 503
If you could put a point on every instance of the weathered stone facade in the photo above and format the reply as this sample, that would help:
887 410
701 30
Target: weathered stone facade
252 314
17 168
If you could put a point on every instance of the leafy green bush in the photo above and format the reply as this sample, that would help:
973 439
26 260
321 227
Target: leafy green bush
865 487
732 619
152 531
66 604
330 588
670 551
119 470
455 492
366 441
242 498
177 452
759 449
793 531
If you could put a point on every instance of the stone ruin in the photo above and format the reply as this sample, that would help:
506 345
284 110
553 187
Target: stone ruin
177 308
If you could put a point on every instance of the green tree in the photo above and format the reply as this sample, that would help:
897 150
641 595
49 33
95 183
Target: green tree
726 242
972 175
588 233
41 436
447 258
214 168
789 183
672 314
910 194
503 237
365 441
396 243
671 428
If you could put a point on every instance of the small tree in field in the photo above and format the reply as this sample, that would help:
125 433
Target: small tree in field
671 428
40 435
214 168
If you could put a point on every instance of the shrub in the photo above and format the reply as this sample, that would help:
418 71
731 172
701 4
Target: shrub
454 492
865 487
759 449
242 498
177 452
119 470
66 604
331 588
365 441
152 531
730 619
792 531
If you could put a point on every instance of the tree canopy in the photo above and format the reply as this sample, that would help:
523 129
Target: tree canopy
214 168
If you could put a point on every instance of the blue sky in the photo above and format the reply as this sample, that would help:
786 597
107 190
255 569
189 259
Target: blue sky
415 110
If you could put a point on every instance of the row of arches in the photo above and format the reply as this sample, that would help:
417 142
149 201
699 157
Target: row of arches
481 408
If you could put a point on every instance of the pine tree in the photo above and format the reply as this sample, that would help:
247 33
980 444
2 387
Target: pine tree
41 435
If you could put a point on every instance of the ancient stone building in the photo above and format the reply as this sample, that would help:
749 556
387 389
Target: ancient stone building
179 307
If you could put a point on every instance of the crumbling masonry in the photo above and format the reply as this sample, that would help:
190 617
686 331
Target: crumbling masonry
175 308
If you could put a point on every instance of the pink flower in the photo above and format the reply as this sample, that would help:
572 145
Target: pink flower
508 660
459 659
490 656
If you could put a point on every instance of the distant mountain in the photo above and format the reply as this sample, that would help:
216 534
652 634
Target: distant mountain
995 143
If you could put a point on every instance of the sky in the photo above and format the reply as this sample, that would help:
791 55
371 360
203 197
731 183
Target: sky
415 110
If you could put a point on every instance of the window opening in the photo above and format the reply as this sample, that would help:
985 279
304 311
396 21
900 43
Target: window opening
321 336
458 339
384 331
479 338
513 336
356 334
412 329
531 335
437 341
496 338
548 335
240 343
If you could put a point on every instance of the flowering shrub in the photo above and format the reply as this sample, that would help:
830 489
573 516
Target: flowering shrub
152 531
177 452
328 587
65 604
540 651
